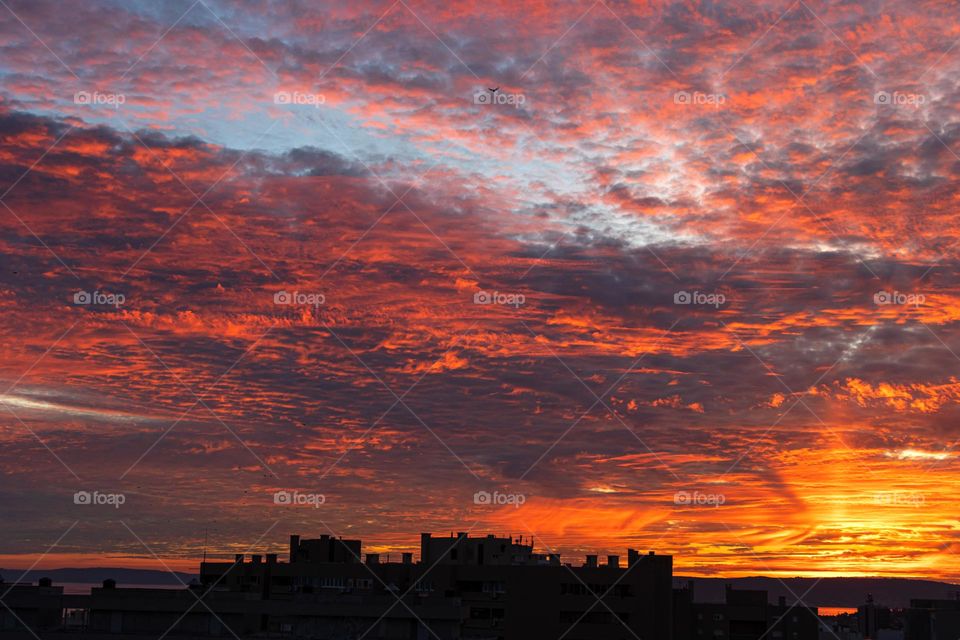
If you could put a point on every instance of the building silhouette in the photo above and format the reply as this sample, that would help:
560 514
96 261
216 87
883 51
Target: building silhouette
933 619
743 615
462 587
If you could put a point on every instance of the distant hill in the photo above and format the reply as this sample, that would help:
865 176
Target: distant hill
98 574
828 592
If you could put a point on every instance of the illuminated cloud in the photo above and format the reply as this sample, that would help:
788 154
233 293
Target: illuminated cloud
270 246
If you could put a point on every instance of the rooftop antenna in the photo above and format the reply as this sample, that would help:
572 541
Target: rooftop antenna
205 532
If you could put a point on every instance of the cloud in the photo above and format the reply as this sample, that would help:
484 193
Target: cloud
742 164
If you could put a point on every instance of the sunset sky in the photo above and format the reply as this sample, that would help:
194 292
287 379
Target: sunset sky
688 281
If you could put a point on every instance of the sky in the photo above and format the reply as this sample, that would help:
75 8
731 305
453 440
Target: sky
675 276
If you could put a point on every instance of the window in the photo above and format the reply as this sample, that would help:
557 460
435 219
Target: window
573 589
424 586
590 617
623 591
332 583
359 583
